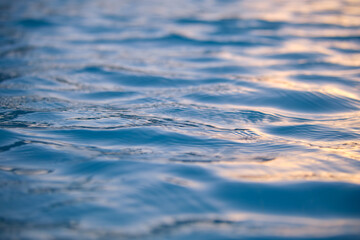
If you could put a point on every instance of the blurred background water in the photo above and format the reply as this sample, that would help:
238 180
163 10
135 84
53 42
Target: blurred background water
186 119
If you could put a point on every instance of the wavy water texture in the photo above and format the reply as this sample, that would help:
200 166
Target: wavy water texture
209 119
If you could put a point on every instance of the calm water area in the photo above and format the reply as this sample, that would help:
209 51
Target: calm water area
179 119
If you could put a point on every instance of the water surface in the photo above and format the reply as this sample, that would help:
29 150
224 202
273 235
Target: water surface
180 119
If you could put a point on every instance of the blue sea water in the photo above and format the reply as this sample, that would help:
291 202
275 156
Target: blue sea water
207 119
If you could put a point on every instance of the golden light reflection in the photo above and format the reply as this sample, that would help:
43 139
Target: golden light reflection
285 82
292 167
319 33
290 46
289 226
249 61
336 91
297 176
342 13
345 60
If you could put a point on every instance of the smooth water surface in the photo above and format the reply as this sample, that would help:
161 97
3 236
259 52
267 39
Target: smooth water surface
207 119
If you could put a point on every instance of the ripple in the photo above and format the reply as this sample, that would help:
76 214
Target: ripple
311 198
299 101
23 171
313 132
34 23
234 119
145 136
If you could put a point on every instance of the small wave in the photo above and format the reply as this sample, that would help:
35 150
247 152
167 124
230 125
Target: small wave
291 100
179 119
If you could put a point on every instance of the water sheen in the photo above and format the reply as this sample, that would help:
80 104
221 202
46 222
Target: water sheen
178 120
